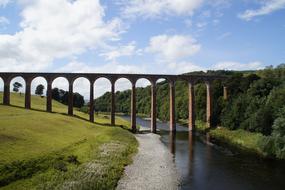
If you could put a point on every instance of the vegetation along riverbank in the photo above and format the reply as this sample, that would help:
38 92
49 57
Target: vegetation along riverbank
42 150
253 116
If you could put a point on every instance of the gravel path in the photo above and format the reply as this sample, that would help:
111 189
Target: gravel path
153 167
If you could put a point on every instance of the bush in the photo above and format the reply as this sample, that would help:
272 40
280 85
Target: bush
61 166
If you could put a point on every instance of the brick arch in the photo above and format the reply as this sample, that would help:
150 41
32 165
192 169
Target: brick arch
52 79
131 80
103 77
25 86
32 80
71 77
144 78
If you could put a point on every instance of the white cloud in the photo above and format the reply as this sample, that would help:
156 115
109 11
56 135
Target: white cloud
51 32
157 8
231 65
173 47
120 51
184 67
3 3
267 7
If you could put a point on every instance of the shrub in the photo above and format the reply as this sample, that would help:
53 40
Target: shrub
61 166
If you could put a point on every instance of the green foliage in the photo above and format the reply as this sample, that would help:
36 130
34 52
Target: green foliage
62 96
40 89
274 145
17 86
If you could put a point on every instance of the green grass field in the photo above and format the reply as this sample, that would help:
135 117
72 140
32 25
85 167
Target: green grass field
42 150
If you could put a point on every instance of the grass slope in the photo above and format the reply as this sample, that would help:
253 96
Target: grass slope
42 150
245 141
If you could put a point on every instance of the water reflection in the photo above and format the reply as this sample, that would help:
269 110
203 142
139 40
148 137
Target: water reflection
191 143
172 142
203 166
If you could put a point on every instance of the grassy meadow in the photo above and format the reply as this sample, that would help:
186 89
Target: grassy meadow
42 150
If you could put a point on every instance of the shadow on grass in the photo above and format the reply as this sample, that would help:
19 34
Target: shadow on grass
75 116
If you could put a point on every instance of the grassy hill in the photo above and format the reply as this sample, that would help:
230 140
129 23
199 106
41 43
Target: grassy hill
42 150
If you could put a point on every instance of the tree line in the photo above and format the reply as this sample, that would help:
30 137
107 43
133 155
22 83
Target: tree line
256 103
57 94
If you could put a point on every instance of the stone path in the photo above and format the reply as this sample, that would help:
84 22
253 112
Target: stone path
153 167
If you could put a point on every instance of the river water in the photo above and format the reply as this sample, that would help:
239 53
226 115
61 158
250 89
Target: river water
204 166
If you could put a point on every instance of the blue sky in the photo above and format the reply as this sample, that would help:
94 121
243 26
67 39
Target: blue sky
140 36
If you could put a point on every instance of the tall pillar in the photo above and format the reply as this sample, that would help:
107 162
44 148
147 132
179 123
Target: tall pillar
172 123
91 102
225 93
153 108
6 96
191 108
70 98
49 96
209 105
28 95
133 108
113 103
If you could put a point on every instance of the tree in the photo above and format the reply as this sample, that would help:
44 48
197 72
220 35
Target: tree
55 94
17 86
40 90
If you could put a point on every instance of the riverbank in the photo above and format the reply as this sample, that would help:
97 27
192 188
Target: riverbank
242 141
152 168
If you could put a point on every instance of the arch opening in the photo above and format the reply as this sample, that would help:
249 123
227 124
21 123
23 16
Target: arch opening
60 87
102 100
38 92
17 91
81 95
162 99
143 97
123 92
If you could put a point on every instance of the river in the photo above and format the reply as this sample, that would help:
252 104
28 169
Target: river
204 166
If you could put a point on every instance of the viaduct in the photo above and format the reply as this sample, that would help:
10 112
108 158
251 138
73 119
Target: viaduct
92 77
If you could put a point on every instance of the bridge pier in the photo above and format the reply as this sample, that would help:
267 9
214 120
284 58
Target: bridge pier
225 93
91 102
6 96
113 103
70 98
153 108
209 105
191 107
28 95
49 97
133 108
172 123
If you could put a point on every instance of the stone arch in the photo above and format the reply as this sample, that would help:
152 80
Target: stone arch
165 90
123 87
143 78
39 101
144 101
123 78
61 94
17 98
81 86
102 86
